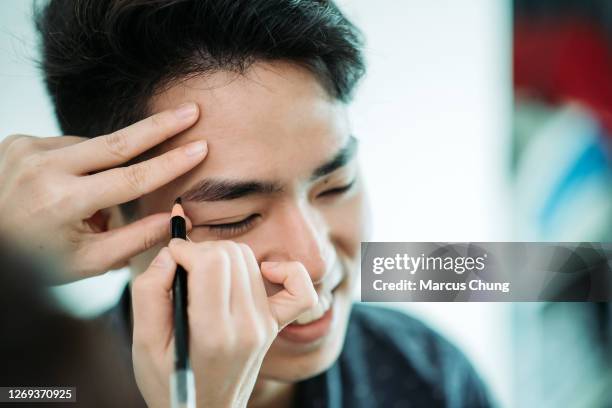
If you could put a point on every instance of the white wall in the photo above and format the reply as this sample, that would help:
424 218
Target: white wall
433 116
434 119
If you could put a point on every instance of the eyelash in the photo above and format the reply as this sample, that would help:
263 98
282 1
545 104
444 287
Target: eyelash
235 228
239 227
338 190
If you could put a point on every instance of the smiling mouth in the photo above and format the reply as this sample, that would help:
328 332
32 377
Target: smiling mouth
326 298
316 322
316 312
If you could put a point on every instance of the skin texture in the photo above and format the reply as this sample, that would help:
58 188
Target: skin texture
56 192
276 124
222 307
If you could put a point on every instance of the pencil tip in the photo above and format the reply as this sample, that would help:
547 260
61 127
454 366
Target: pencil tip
177 208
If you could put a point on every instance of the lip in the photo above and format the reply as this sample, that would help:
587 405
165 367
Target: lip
337 278
307 333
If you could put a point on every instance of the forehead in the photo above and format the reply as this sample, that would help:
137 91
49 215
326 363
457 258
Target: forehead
275 121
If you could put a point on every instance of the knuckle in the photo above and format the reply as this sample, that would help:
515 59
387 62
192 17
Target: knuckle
157 120
223 243
149 240
216 259
136 177
10 139
247 252
19 140
210 250
18 146
308 296
202 258
170 162
245 249
116 144
310 299
231 247
202 245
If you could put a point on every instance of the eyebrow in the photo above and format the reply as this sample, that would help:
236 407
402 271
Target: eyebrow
214 189
344 155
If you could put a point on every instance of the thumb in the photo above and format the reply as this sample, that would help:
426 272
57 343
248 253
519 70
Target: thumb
298 293
152 302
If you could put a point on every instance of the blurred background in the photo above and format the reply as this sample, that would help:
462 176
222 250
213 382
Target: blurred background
479 121
562 190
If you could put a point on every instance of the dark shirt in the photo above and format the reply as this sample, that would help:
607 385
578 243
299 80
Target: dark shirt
389 359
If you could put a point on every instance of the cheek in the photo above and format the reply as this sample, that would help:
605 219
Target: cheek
347 224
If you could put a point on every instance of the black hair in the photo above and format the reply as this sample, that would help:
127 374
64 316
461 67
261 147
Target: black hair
104 59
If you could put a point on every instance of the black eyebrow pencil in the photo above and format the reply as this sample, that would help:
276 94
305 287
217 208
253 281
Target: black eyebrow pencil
181 381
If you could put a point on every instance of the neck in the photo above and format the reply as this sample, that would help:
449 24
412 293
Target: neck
271 393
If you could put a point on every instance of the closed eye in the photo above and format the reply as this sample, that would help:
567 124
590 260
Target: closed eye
337 190
233 228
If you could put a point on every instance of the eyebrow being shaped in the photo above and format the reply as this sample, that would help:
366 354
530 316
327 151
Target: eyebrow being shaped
220 190
212 189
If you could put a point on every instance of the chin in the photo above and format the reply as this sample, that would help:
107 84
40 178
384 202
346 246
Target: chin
298 368
291 361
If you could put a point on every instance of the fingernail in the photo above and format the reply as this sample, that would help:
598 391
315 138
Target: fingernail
186 110
162 259
269 265
195 148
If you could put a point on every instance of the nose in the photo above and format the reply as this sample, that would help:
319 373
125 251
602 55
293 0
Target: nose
302 235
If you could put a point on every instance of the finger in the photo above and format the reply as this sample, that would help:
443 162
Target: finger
152 302
241 298
298 294
115 247
123 184
7 141
208 280
18 145
58 142
258 290
111 150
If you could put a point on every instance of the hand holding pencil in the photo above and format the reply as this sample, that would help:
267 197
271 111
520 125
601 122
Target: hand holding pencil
232 321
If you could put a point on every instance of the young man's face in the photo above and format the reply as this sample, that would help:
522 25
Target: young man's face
277 130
